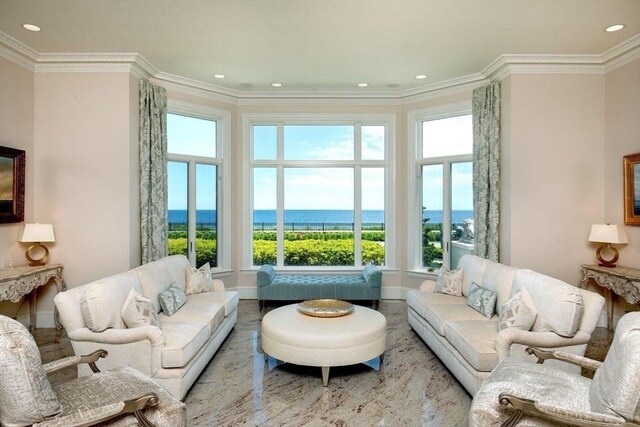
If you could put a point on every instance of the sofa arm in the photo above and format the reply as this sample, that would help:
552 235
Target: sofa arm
120 336
372 276
265 275
507 337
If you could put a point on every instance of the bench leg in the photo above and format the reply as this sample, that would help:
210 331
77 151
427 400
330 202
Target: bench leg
376 304
325 376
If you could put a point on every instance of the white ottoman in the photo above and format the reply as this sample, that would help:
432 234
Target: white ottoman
293 337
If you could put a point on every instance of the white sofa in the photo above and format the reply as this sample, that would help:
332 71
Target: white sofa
470 345
173 354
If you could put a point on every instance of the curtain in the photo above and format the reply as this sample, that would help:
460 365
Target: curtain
153 171
486 170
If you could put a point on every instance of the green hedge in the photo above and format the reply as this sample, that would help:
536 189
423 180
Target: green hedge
373 236
205 250
317 252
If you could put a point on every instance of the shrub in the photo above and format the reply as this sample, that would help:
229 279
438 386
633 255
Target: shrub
374 236
205 250
317 252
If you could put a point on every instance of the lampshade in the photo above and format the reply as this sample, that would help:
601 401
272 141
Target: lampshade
38 233
608 233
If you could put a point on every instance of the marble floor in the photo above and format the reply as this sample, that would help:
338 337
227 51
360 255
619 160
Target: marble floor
238 389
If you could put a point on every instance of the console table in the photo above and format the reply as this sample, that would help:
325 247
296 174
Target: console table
18 282
621 281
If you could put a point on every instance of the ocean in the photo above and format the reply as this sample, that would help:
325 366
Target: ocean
208 217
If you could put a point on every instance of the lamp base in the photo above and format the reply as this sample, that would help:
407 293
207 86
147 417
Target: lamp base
604 262
37 261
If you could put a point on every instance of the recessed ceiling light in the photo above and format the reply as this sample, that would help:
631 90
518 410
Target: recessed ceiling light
614 28
421 76
363 84
30 27
219 76
276 84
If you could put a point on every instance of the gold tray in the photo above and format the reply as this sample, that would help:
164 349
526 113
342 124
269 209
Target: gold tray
325 308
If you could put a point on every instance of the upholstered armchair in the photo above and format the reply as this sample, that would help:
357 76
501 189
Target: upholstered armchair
119 397
537 395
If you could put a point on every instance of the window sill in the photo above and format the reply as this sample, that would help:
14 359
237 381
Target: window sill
319 270
423 274
220 272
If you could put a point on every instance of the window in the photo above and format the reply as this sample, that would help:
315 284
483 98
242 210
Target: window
194 169
318 192
443 184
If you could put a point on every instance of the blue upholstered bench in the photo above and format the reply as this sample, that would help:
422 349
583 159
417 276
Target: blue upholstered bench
298 287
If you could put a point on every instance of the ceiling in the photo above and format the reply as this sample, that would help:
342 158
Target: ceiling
321 45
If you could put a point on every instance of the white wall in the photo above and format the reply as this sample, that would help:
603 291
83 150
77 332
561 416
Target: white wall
16 131
554 166
86 176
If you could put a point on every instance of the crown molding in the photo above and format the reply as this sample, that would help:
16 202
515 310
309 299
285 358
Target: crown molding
134 63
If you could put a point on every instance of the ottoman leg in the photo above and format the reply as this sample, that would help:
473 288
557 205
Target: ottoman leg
325 376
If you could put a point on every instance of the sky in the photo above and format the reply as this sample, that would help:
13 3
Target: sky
319 188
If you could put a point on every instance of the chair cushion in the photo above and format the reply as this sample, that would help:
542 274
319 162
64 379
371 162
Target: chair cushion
122 383
438 315
560 305
182 340
26 396
171 300
138 311
518 312
615 388
154 278
475 340
450 282
482 300
541 383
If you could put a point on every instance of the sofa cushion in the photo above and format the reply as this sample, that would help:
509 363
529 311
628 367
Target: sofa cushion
227 298
482 300
474 268
26 396
518 312
171 300
176 265
138 311
499 279
475 342
439 314
559 304
450 282
615 388
182 340
212 313
154 278
419 300
102 302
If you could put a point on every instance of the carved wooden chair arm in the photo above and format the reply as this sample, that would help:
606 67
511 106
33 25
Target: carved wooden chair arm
560 415
573 359
70 361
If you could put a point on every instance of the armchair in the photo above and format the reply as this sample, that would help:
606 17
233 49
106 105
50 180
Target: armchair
536 395
119 397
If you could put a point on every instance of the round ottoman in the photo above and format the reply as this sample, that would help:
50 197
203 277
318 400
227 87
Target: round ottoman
293 337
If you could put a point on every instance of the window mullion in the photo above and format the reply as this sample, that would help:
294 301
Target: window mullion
357 226
446 214
280 198
191 221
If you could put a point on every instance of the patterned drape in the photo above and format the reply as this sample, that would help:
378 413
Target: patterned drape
153 171
486 170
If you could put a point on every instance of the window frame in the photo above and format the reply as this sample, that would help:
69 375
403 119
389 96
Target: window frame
223 191
416 161
280 120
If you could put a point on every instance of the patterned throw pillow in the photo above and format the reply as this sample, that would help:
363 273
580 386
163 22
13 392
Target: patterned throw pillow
518 312
482 300
138 311
171 300
199 281
450 282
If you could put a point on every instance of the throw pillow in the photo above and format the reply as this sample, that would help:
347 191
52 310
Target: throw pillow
482 300
171 300
518 312
26 396
138 311
450 282
198 280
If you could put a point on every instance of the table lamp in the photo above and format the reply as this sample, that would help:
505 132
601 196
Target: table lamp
36 234
607 234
